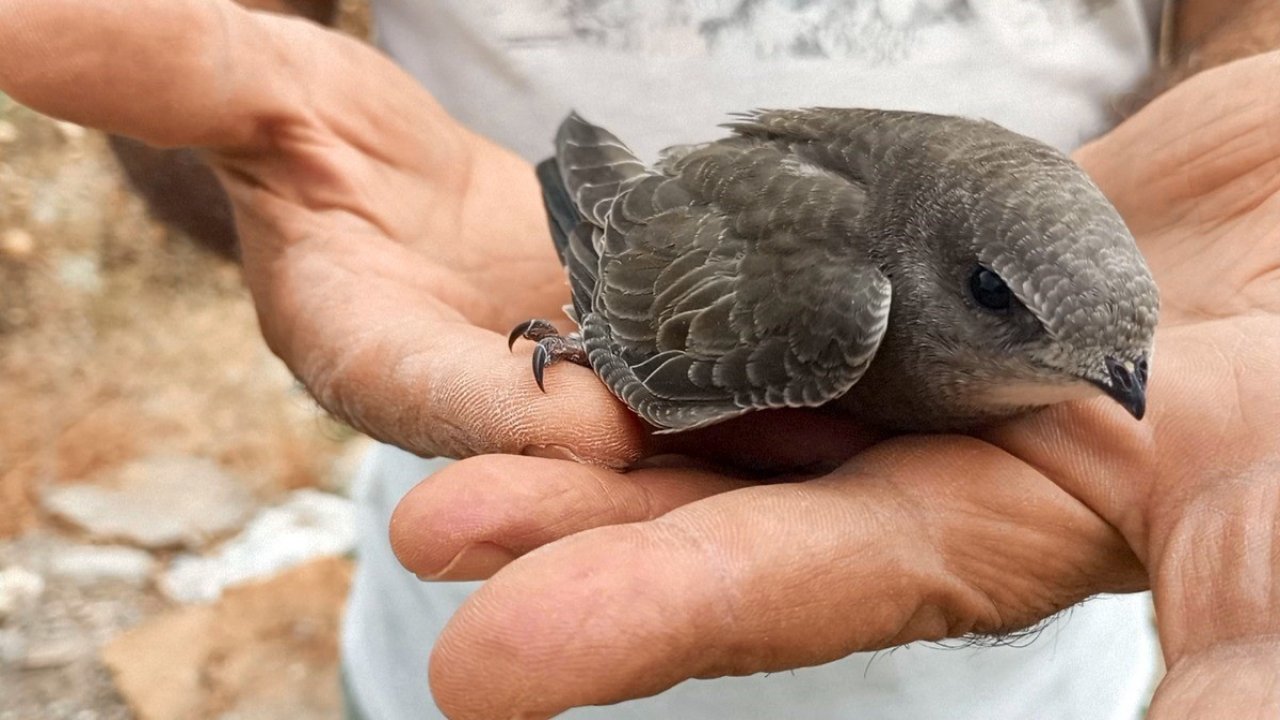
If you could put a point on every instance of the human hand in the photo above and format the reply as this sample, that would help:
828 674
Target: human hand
614 586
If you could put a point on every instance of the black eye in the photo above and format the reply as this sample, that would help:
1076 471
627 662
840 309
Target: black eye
989 290
1141 370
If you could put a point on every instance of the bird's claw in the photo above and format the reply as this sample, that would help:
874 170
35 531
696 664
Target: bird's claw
541 359
552 347
532 330
516 333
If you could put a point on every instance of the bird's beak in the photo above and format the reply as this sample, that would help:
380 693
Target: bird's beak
1126 386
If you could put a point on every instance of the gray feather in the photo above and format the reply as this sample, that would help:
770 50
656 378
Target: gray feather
778 266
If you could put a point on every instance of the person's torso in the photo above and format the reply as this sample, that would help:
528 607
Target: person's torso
661 72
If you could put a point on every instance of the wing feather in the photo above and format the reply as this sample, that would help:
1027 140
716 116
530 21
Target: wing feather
727 280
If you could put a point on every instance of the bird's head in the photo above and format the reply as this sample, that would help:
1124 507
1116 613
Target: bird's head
1041 292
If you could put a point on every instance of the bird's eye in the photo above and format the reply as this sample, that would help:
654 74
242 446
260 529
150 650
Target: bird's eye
989 290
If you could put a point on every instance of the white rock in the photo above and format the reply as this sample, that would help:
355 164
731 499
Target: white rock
90 564
308 525
13 647
80 273
19 589
70 130
55 653
157 502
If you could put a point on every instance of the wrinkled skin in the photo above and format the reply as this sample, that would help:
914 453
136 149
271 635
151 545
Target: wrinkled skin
387 249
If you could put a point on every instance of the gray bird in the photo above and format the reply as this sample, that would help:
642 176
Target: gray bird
925 272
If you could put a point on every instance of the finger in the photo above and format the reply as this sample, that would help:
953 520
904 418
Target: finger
451 389
470 519
917 540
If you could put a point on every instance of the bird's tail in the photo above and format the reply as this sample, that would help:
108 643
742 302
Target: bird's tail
562 216
593 164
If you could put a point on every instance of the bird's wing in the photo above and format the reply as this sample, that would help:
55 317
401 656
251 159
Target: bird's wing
730 281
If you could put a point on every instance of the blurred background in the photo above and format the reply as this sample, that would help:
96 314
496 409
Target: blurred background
174 529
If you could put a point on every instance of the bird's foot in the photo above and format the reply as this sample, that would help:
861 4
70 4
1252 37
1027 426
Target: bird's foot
552 346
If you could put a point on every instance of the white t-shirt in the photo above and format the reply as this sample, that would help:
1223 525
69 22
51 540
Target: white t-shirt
662 72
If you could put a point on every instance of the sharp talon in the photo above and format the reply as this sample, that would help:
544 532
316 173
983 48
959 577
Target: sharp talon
540 357
518 333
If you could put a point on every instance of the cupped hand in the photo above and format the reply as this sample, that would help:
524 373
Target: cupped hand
612 586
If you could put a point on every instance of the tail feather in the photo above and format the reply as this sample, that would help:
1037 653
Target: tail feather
562 216
578 185
594 164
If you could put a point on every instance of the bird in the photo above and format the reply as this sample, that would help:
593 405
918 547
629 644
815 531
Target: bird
922 272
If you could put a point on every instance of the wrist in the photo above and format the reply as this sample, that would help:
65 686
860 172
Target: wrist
1224 682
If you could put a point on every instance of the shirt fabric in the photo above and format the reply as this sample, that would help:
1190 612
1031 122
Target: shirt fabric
664 72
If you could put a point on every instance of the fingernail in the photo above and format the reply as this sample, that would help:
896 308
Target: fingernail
475 562
552 452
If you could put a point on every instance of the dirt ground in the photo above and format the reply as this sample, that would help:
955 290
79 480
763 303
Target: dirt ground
126 349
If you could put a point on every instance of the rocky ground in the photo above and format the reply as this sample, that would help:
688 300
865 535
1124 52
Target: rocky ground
173 528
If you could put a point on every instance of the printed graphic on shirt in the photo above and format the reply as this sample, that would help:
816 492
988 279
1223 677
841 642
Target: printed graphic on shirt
873 31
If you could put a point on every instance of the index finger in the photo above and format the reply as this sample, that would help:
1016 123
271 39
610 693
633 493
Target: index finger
919 539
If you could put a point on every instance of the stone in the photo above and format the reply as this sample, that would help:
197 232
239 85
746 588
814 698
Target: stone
8 132
93 564
55 653
19 589
265 649
13 646
157 665
157 502
308 525
17 243
81 273
70 131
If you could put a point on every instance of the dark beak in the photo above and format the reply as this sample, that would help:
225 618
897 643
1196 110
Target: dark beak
1127 386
